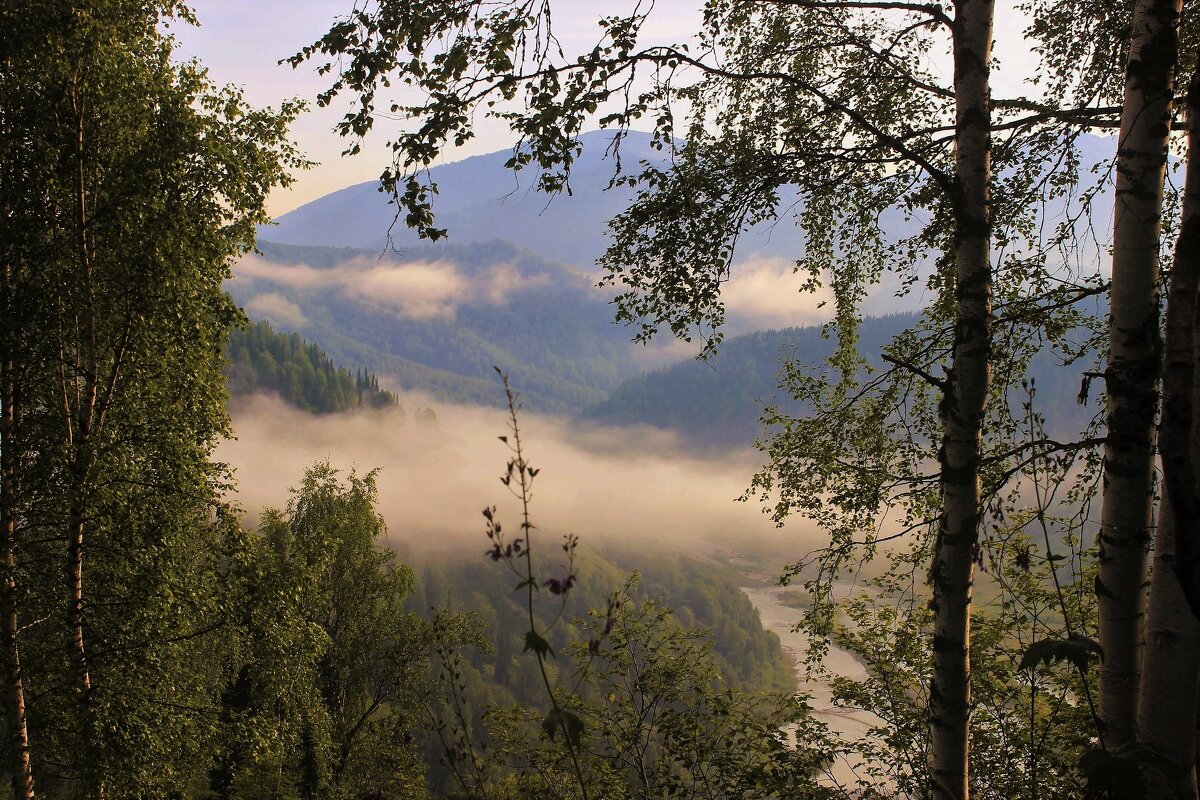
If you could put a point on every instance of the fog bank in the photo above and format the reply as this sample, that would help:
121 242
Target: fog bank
634 483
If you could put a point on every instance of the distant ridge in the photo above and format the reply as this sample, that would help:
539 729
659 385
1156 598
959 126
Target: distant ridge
479 201
259 359
717 404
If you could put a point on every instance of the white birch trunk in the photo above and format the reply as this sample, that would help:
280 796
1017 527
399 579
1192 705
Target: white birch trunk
963 406
1133 362
1167 708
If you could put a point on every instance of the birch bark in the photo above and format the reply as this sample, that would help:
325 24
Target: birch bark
1133 361
963 405
20 763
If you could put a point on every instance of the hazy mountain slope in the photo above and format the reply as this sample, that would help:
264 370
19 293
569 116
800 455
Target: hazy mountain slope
718 403
479 200
439 319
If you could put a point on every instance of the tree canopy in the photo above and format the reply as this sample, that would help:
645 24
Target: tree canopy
129 184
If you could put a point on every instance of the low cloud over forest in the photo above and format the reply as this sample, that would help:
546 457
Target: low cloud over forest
635 483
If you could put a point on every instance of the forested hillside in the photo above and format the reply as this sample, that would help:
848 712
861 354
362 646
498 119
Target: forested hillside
719 402
260 359
438 320
703 595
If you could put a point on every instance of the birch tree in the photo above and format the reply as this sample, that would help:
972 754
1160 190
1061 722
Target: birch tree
1167 707
133 183
1134 359
833 110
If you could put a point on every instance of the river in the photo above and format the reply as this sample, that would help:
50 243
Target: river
847 723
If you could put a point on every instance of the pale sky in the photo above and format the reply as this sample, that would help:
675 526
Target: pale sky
241 41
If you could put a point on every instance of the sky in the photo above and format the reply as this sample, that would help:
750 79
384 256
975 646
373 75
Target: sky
242 41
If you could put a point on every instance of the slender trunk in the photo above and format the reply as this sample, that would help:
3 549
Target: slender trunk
20 765
963 405
1171 659
1180 472
1179 431
1167 706
80 468
75 602
1133 361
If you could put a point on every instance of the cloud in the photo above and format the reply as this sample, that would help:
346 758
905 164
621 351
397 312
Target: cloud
663 350
411 290
503 280
766 293
297 276
278 309
633 483
420 290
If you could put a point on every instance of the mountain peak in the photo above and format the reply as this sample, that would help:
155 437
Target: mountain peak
480 200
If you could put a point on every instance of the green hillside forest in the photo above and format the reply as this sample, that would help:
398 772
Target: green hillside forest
260 359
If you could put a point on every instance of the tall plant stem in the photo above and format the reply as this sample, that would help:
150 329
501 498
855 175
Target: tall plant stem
525 478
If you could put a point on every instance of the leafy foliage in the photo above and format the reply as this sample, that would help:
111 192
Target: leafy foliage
655 719
1077 649
325 703
130 183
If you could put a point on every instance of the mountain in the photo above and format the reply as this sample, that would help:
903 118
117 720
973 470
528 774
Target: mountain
439 319
480 201
717 403
513 287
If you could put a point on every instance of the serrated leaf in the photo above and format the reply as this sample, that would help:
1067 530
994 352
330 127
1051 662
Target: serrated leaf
534 642
1075 649
1122 771
570 724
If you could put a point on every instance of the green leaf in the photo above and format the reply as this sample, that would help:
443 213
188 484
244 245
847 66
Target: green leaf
534 642
1122 771
1076 649
570 724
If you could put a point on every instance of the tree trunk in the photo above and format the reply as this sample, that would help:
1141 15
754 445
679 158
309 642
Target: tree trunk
1180 471
963 405
1133 361
1171 657
81 466
1167 706
14 696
